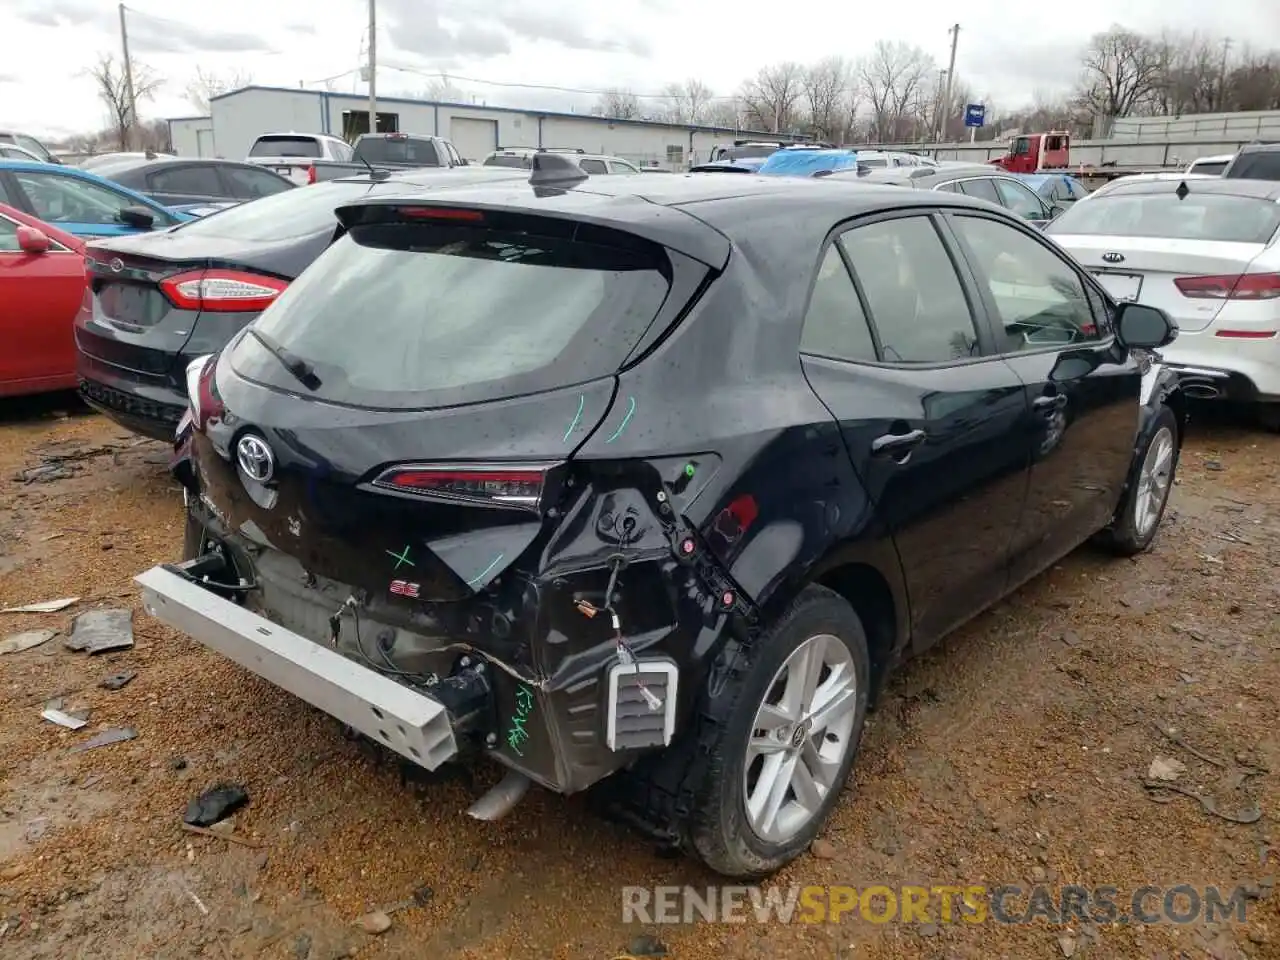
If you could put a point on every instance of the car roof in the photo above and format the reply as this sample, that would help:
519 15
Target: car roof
88 176
1256 189
923 176
131 164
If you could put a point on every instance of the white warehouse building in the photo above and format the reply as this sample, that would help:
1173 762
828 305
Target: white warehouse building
241 116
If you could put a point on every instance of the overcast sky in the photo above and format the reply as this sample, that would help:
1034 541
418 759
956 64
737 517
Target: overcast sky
1007 51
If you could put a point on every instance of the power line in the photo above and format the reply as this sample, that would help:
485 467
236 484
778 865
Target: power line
550 87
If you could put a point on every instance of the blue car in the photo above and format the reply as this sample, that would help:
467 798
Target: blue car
1055 189
807 162
81 203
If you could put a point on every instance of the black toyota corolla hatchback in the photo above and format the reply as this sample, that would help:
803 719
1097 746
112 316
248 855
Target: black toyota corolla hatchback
651 483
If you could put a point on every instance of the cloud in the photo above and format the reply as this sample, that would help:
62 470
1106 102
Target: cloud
1014 74
533 23
8 78
147 33
415 27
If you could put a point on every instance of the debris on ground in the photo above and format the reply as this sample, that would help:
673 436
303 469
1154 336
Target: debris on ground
98 631
46 473
117 680
646 945
374 923
823 849
1250 814
1163 768
216 803
18 642
44 606
62 719
106 738
222 835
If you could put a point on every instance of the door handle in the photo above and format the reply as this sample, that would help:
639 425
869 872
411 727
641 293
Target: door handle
1050 402
896 444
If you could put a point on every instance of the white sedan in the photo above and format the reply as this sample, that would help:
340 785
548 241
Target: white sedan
1206 251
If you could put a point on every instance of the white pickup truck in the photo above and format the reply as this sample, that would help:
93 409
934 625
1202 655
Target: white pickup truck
293 155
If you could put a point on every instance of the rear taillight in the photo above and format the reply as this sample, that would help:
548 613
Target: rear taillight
1231 286
202 393
311 173
519 486
222 291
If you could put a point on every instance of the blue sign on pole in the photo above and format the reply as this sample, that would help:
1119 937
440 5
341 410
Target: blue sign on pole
974 114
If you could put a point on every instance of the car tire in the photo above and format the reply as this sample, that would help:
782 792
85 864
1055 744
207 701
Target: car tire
1137 520
720 829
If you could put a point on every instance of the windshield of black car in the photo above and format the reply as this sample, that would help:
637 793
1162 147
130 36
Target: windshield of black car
272 146
1203 216
451 314
398 150
281 216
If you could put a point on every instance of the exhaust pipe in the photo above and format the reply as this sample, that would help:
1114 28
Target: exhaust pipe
501 798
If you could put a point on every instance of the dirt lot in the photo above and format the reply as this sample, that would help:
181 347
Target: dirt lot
1014 754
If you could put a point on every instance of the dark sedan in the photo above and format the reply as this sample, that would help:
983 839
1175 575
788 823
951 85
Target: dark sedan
969 180
175 181
160 299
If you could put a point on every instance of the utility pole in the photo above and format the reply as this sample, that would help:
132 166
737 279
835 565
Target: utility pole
951 72
132 119
373 66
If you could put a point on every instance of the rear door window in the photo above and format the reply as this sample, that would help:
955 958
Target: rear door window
593 167
913 293
250 183
453 314
196 180
1019 199
835 324
982 188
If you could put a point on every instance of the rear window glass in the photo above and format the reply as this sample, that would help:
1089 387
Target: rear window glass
1214 167
285 147
283 216
504 161
452 314
1198 217
1257 166
421 152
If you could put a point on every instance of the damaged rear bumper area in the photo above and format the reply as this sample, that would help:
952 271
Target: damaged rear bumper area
413 724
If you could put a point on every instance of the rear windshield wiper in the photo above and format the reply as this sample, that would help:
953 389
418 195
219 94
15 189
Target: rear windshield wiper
301 370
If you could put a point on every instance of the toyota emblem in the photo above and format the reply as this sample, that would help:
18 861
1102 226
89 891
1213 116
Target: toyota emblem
255 458
117 265
1113 257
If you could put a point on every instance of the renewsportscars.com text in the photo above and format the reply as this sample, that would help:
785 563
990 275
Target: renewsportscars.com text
1007 904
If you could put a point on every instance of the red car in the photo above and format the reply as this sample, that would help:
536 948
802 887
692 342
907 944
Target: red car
42 276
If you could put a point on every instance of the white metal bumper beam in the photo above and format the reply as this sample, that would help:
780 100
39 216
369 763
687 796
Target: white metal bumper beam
410 723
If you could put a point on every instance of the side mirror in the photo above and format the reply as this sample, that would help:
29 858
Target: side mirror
31 240
1138 325
139 217
1056 210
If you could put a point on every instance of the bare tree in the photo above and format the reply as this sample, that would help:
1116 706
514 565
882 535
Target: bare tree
1255 83
442 90
772 96
826 91
619 105
724 112
113 90
1121 70
206 85
687 102
893 76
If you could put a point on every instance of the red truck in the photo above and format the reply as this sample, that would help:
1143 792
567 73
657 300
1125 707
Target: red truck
1036 152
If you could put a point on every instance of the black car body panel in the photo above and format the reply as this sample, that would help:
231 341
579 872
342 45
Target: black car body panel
690 493
135 340
175 181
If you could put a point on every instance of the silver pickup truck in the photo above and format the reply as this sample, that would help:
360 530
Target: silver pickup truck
389 151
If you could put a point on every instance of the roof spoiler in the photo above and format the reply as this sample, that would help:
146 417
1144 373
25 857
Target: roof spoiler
552 169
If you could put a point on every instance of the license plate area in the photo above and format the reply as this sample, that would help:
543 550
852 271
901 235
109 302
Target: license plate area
284 171
1121 286
129 304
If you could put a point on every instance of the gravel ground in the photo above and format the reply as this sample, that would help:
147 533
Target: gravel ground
1012 754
